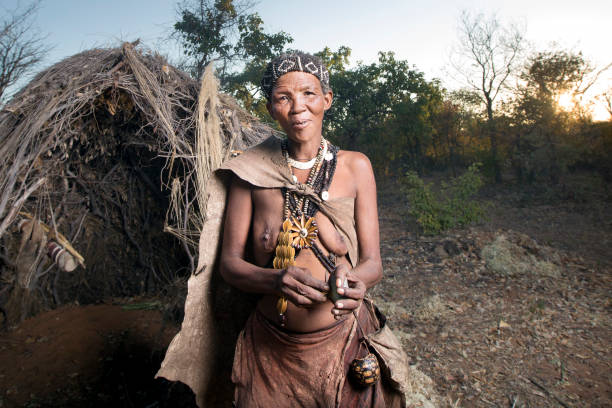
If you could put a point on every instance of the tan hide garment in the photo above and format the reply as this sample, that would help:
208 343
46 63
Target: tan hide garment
265 166
199 354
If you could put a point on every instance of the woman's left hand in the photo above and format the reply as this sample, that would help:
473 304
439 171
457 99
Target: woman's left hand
353 294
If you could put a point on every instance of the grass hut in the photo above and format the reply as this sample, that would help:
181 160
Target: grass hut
105 157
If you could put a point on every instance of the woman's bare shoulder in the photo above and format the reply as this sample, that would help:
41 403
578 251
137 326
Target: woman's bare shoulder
356 161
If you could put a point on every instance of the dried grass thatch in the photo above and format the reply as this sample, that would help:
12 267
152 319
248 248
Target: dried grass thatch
103 154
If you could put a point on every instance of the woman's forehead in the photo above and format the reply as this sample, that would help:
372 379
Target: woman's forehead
297 79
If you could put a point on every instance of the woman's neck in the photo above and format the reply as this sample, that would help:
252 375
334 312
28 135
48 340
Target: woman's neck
303 151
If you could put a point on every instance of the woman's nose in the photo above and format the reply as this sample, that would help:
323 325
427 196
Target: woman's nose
298 105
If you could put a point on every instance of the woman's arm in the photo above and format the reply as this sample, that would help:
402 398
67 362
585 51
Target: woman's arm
368 271
296 284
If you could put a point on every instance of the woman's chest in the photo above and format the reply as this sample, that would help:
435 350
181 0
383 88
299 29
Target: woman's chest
267 218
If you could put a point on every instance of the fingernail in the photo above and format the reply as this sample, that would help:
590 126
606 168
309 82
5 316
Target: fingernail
341 291
339 305
338 283
335 311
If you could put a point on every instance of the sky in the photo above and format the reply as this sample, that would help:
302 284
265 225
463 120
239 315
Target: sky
421 32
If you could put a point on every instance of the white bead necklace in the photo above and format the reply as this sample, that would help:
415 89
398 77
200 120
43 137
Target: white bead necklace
307 165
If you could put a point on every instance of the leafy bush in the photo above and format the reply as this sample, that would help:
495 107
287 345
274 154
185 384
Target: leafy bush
452 207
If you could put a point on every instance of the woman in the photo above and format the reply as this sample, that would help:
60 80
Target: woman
301 226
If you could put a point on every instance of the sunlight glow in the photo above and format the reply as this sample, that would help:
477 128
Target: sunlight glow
600 113
568 103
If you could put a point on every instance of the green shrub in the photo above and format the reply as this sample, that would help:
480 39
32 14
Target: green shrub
452 207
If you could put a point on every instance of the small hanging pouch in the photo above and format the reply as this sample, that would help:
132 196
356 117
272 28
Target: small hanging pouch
394 364
366 370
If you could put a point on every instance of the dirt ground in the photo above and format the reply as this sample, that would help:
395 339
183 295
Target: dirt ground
489 340
486 339
86 356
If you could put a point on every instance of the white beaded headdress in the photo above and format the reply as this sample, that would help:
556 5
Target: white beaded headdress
295 61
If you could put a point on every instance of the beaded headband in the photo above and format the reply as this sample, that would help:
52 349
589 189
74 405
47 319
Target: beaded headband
296 61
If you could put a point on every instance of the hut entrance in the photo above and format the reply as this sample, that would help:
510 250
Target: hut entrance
101 160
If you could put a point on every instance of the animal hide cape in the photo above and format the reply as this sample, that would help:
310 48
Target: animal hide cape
201 354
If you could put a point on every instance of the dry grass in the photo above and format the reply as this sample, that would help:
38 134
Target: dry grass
432 307
421 392
508 258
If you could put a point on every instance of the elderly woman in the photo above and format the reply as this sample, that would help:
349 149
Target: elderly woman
306 211
300 231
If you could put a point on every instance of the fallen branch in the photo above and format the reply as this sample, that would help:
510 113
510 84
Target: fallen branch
549 393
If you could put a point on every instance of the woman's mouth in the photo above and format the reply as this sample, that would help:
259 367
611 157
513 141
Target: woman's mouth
299 124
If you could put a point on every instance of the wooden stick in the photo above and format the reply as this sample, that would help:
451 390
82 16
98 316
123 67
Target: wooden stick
17 205
549 393
62 240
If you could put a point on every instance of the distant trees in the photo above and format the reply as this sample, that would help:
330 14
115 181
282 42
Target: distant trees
227 32
547 137
403 121
370 98
486 55
21 45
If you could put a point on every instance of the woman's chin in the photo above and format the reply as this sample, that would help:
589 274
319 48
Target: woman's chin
302 135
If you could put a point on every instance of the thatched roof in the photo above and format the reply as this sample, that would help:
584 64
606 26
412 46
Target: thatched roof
104 153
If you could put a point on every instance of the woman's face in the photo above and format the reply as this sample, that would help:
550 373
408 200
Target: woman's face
298 104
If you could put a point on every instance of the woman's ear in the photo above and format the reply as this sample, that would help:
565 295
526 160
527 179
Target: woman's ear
329 98
270 109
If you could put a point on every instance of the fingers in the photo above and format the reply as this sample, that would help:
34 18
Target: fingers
309 280
356 289
303 295
344 307
353 290
341 273
352 286
300 288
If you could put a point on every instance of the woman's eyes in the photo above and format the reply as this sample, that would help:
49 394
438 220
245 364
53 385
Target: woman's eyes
285 98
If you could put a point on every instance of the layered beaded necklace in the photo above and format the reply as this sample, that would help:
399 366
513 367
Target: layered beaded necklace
299 229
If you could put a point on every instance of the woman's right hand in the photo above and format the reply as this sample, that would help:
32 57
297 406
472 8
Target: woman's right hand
299 287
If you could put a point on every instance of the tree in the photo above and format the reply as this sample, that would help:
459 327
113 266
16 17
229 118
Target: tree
606 98
21 46
446 142
365 96
486 55
384 109
335 61
226 32
548 137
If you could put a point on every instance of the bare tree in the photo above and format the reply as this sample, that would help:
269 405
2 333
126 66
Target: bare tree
604 99
486 55
607 98
21 45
